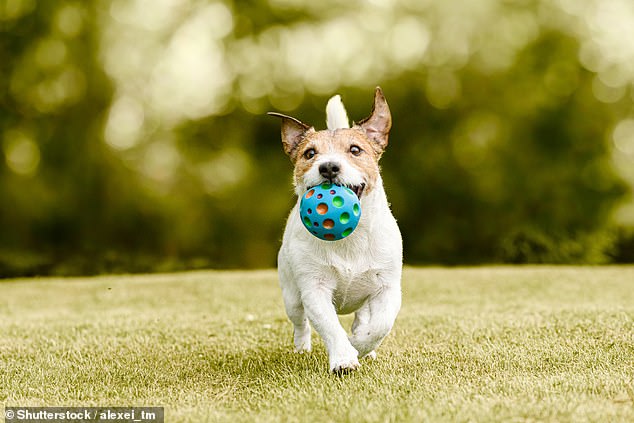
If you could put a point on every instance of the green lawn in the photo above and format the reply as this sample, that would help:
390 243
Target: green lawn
470 344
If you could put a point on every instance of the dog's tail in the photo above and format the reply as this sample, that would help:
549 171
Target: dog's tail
336 116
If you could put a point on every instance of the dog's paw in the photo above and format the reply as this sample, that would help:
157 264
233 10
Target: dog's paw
303 348
302 341
345 367
370 356
344 362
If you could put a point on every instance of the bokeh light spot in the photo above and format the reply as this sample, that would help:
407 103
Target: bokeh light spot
623 136
21 152
125 123
14 9
69 20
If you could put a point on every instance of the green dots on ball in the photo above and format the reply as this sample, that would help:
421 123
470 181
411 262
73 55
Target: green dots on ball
330 212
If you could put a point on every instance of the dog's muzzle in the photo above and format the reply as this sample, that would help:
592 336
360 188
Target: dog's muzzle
330 172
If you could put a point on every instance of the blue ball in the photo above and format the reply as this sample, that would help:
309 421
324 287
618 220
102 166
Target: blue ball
330 212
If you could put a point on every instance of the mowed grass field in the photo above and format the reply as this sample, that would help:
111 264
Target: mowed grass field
484 344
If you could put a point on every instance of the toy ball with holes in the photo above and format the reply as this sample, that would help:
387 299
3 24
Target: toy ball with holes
330 212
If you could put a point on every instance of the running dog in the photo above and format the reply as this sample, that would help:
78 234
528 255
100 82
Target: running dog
360 273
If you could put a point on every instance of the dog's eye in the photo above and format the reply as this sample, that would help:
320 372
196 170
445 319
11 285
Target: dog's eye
355 150
309 154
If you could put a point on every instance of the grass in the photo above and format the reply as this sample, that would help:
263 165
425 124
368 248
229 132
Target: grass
470 344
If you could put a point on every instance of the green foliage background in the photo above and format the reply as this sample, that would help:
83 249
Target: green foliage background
134 138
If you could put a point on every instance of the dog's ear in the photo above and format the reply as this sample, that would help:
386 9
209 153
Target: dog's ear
377 126
293 132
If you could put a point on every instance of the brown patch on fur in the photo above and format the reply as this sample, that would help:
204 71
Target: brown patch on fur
316 140
368 161
377 126
293 132
370 135
340 141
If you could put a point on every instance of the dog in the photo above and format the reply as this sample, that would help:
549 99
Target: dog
360 273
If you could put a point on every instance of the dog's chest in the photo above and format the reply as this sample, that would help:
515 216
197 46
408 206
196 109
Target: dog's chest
354 269
353 287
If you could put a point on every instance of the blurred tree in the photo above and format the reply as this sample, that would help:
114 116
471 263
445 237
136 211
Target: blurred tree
515 171
133 136
68 204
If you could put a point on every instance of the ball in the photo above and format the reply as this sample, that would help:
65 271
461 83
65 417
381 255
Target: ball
330 212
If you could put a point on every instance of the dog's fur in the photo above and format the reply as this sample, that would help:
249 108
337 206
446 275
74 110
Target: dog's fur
360 273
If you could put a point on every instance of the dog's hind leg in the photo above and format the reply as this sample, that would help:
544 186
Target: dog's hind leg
362 317
375 319
296 314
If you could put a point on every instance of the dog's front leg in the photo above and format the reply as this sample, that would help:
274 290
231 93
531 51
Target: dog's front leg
322 315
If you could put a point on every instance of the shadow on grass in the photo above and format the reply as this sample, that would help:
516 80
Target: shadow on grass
277 363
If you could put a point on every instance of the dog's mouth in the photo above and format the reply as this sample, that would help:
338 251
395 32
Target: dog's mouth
357 189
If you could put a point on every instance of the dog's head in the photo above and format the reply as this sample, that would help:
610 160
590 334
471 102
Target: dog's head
341 155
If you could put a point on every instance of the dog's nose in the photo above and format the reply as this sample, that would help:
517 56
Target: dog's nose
329 170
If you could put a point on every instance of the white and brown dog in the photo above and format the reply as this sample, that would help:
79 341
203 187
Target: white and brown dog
360 273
